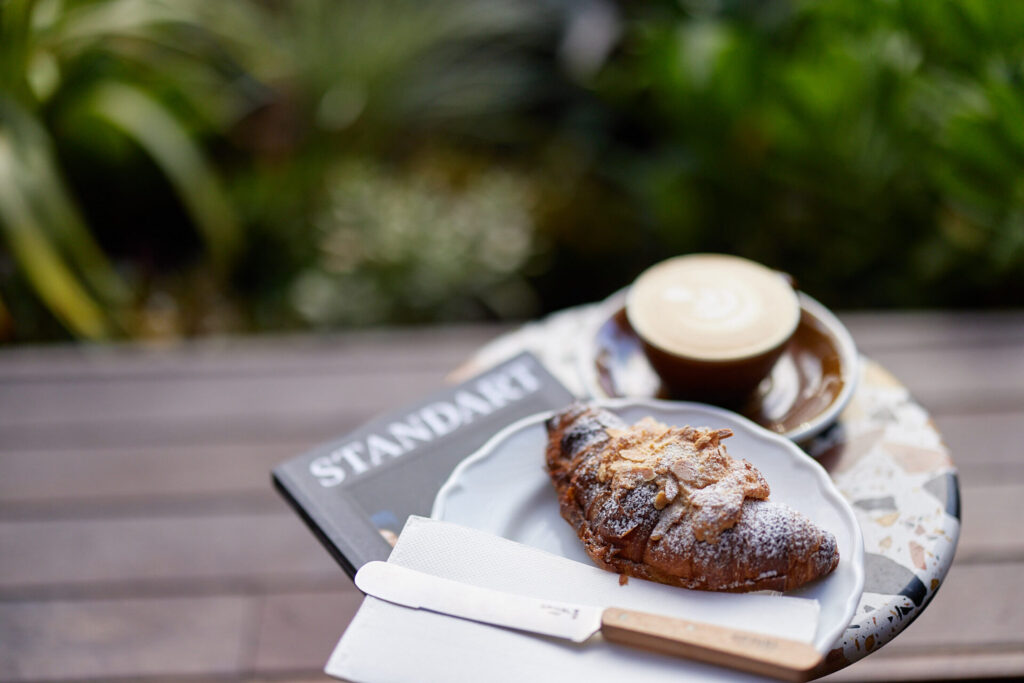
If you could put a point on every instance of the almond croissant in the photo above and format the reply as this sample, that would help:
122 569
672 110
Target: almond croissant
669 504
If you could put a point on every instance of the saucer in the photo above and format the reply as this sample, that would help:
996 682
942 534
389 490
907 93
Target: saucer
805 392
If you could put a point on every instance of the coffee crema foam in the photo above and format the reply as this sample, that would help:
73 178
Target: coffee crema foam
712 307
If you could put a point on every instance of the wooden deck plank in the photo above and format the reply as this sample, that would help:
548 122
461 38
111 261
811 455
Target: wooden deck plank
234 476
177 400
958 620
296 632
877 330
103 639
291 677
199 432
991 523
952 378
986 448
265 548
978 606
449 345
197 411
948 377
134 483
299 631
973 628
47 557
440 347
933 666
960 380
77 476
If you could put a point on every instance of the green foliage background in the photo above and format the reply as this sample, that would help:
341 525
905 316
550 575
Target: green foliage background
180 168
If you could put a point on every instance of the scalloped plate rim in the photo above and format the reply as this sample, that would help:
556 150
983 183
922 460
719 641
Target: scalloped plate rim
823 641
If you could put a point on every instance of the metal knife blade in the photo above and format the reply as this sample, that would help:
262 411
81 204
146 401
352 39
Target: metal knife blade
411 588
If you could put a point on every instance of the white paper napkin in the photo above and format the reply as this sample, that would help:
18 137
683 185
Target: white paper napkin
388 643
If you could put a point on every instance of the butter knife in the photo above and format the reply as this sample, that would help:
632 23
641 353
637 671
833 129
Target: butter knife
748 651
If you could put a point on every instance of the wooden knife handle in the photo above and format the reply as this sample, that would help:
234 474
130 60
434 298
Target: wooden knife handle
753 652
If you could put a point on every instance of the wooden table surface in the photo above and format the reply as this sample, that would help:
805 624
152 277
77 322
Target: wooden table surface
140 536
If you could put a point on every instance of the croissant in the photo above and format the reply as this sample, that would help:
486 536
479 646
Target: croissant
670 505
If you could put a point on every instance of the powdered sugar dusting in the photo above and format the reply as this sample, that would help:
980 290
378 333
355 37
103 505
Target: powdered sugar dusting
670 504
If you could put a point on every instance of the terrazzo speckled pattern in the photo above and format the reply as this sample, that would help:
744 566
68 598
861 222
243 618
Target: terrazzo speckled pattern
885 455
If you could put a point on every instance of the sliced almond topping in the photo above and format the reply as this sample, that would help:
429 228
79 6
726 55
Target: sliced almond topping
671 489
632 454
646 473
685 470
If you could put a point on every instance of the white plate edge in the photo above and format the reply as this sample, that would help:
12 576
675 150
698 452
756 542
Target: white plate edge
829 487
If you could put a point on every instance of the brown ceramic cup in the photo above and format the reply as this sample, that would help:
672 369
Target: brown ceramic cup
712 325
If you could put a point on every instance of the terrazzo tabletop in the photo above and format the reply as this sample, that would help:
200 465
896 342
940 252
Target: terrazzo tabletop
884 453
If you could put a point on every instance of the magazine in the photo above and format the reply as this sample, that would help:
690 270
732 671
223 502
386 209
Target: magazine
356 492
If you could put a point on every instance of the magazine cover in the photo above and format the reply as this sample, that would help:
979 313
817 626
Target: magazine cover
357 491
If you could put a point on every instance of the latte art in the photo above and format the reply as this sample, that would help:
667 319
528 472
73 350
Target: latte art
729 304
712 307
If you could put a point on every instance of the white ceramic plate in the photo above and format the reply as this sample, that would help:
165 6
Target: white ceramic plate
503 489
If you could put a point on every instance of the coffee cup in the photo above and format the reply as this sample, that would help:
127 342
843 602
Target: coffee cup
712 325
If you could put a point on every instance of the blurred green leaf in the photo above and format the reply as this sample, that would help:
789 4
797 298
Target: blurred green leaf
337 162
39 182
144 120
15 32
56 284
